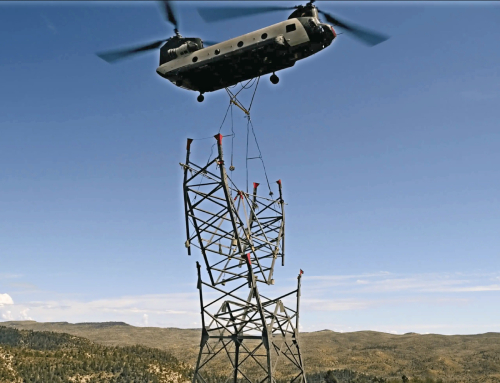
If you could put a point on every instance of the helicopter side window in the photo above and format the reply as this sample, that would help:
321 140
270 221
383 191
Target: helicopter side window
290 28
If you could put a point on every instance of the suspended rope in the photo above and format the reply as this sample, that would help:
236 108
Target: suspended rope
231 168
233 99
260 156
246 157
253 95
213 145
212 152
220 127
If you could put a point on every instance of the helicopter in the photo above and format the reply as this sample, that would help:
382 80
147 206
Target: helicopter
203 66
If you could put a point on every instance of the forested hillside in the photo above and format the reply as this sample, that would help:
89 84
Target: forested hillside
43 357
364 356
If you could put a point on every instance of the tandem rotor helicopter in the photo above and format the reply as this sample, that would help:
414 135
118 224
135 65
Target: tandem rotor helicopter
191 63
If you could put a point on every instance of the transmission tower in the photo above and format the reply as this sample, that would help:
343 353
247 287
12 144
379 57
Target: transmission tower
246 336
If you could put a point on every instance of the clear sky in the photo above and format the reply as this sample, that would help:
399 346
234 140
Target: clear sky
389 158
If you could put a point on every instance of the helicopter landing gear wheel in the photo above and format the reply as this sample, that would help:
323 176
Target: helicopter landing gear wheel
274 79
201 97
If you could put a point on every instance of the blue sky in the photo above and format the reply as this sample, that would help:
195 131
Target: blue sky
388 155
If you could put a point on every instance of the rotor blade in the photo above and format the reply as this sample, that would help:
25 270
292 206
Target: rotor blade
170 14
366 36
115 55
212 14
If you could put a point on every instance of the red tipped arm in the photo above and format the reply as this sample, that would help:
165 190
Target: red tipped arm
218 137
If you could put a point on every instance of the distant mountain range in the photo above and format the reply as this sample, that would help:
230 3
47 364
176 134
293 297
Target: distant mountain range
451 358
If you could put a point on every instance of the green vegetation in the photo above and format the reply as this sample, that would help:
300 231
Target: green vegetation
344 376
30 353
452 358
32 357
349 376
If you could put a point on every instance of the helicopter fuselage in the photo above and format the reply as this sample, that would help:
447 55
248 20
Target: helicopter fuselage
205 69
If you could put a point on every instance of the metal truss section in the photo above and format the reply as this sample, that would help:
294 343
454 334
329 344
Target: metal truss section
256 334
226 223
246 337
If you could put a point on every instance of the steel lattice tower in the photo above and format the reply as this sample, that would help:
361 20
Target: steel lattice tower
246 337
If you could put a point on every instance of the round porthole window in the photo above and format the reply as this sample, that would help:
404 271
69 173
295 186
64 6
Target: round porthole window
264 36
195 59
240 44
217 51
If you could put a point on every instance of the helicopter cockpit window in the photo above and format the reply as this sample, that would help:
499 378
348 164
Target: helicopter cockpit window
291 27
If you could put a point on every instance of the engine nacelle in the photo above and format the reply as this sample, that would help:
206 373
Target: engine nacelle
184 49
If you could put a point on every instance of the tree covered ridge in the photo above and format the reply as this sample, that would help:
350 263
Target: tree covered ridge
40 356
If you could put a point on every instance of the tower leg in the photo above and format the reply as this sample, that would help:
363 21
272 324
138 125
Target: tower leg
236 346
236 360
